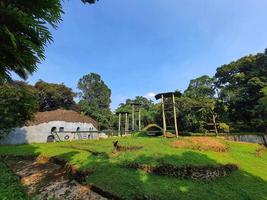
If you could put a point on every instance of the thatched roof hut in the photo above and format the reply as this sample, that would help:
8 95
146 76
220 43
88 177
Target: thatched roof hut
60 115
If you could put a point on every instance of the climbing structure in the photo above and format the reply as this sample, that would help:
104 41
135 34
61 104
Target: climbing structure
166 106
136 109
126 121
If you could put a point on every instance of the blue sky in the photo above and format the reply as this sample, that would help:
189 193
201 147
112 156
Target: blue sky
149 46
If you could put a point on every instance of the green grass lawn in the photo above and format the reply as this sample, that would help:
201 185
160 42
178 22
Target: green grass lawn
249 182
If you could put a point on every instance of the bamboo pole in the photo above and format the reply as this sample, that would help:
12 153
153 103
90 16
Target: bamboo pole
139 119
163 116
133 117
174 115
126 125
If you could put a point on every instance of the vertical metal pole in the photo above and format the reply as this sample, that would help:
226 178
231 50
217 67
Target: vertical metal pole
119 131
133 122
174 115
139 119
163 116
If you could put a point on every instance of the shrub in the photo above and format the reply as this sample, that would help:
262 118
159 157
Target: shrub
223 127
18 104
10 186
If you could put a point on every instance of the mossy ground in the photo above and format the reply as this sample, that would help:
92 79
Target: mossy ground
249 182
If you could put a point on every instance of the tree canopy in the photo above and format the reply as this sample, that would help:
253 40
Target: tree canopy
242 84
18 104
198 105
149 111
202 87
235 99
54 96
95 99
24 34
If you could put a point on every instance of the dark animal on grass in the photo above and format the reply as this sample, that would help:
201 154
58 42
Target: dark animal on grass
118 147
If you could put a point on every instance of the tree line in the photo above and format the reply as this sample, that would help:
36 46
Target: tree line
234 99
19 101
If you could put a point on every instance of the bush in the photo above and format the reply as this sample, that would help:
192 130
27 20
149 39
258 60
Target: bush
223 127
18 104
10 186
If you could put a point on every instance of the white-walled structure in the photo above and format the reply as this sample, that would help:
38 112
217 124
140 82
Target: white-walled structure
63 125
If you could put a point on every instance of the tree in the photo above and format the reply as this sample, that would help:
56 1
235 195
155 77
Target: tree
200 97
193 114
149 111
240 86
54 96
202 87
261 108
95 99
24 33
263 100
18 104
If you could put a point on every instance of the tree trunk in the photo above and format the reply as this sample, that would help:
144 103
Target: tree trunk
214 122
163 116
174 115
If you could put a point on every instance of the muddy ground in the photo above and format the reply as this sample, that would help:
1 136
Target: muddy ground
47 180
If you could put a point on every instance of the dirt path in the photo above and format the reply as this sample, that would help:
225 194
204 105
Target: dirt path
46 180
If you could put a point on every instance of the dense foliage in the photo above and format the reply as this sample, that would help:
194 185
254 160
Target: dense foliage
24 33
18 104
197 107
10 187
242 89
95 99
54 96
149 111
235 100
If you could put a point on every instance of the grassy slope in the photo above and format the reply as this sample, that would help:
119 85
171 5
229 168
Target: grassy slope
10 187
250 182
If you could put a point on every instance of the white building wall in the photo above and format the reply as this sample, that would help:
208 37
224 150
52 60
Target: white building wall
39 133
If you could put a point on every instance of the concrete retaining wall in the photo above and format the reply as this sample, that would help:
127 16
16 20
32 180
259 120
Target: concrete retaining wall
260 139
39 133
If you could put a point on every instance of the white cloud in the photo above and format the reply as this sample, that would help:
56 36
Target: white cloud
150 95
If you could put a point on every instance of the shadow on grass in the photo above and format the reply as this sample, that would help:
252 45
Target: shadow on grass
110 175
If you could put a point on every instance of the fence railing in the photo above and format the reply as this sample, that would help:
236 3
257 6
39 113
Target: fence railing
107 132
